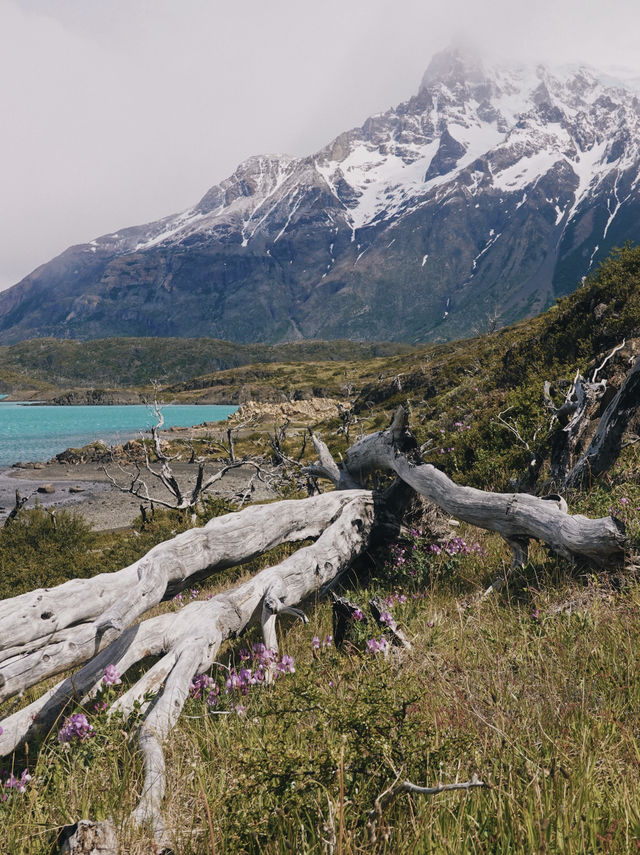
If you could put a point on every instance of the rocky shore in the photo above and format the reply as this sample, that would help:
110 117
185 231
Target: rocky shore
85 488
76 478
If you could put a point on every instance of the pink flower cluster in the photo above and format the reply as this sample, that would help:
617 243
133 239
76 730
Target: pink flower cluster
205 687
193 594
457 546
377 645
385 617
398 553
19 784
396 598
261 660
317 644
76 728
111 676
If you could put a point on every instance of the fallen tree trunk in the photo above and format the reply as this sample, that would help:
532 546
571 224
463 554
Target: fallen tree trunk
518 517
188 642
48 631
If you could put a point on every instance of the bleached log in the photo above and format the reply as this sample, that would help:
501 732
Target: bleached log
47 631
326 467
518 517
189 641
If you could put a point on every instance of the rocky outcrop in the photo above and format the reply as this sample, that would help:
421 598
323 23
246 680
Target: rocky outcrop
309 411
97 397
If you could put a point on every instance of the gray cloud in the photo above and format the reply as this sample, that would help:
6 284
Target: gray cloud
126 110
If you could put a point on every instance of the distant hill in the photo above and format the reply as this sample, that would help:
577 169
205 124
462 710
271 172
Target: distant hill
49 364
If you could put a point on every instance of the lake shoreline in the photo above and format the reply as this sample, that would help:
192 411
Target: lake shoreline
83 486
31 433
86 489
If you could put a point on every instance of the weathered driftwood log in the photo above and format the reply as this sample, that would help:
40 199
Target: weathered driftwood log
518 517
189 640
47 631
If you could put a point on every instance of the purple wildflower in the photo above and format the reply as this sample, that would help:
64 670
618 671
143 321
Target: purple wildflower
76 727
387 618
233 682
315 642
357 615
201 684
328 641
19 784
111 676
375 645
287 665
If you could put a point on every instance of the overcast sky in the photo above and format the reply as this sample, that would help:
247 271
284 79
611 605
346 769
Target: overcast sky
117 112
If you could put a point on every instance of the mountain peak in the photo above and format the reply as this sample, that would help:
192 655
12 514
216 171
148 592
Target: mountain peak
458 63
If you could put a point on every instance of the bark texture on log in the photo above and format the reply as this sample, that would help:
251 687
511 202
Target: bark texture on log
89 838
47 631
518 517
606 444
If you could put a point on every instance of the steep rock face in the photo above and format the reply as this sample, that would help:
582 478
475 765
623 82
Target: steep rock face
490 192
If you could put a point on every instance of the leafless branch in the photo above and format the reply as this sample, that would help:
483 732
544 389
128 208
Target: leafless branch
389 795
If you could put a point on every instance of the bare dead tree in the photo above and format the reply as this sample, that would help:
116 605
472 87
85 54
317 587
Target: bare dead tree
606 444
572 466
20 502
175 496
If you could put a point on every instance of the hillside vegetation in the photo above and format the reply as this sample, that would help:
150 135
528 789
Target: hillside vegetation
535 689
46 364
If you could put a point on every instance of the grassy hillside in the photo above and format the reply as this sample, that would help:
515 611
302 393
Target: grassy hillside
536 689
125 362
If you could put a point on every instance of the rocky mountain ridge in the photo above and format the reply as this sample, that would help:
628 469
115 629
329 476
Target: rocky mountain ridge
482 198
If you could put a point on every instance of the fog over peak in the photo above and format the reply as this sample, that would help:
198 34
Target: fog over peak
124 111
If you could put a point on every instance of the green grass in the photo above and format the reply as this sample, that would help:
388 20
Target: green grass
536 688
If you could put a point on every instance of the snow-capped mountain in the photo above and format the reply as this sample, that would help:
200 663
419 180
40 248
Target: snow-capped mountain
491 192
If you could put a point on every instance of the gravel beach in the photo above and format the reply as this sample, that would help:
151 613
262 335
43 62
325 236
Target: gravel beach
85 488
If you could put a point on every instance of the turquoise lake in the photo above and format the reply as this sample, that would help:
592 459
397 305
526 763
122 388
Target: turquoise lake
32 432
